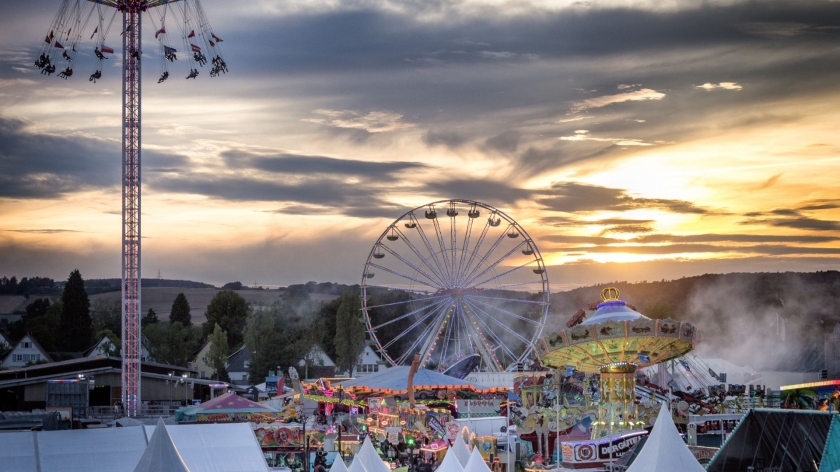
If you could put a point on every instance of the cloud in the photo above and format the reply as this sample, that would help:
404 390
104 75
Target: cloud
602 101
505 142
373 122
304 165
769 182
449 139
798 222
723 85
774 29
571 197
733 238
42 231
583 135
770 250
611 225
478 189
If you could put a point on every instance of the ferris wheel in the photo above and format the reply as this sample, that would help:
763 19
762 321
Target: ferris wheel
459 282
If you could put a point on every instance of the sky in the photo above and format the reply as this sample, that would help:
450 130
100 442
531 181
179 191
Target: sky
638 140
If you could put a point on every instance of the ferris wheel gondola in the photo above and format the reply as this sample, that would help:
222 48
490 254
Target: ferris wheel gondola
451 291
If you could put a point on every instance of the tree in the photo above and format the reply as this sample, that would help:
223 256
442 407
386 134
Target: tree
349 331
276 336
75 325
324 329
180 311
218 353
230 311
106 315
113 345
149 318
172 343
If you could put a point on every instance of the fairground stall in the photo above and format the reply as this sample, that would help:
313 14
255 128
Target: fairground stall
379 405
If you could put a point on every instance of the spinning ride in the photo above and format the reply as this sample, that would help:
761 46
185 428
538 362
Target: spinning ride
68 34
458 281
613 342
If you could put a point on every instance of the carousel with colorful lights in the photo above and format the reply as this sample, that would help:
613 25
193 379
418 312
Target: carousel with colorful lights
614 342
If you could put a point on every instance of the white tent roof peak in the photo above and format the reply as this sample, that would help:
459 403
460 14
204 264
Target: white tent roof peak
161 453
370 460
356 465
338 465
450 463
665 450
476 463
461 451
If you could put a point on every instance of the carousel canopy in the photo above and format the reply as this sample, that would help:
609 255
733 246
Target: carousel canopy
227 403
395 381
665 450
476 463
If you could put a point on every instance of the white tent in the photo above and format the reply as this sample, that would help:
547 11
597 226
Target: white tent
112 449
461 451
338 465
450 463
161 453
476 463
18 452
665 450
356 466
220 447
370 460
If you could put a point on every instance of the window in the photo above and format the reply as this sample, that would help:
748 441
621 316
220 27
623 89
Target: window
35 357
26 345
204 360
203 374
245 377
18 357
245 364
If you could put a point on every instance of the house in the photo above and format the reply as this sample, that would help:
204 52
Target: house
106 348
5 345
369 362
200 362
316 364
27 350
237 366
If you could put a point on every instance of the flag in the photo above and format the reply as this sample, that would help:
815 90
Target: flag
49 37
218 39
212 44
159 32
281 382
58 45
94 32
192 34
127 30
169 50
106 49
195 48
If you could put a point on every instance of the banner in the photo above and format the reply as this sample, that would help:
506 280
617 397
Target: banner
477 408
374 406
435 426
452 430
278 435
271 386
393 435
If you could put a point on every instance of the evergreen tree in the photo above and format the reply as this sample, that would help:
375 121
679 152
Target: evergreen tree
180 311
149 319
349 331
218 353
75 325
229 310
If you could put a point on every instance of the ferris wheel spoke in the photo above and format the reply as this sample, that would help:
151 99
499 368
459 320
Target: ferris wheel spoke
414 325
403 275
480 341
510 271
431 250
448 335
407 315
487 256
503 325
443 252
495 336
499 287
529 320
464 247
437 329
411 300
418 253
422 336
493 265
412 265
475 251
509 299
453 244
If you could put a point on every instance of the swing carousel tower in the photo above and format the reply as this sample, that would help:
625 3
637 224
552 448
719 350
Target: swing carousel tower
68 26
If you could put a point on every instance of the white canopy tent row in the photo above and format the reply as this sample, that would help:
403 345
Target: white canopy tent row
450 461
369 459
338 465
460 450
665 450
194 448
